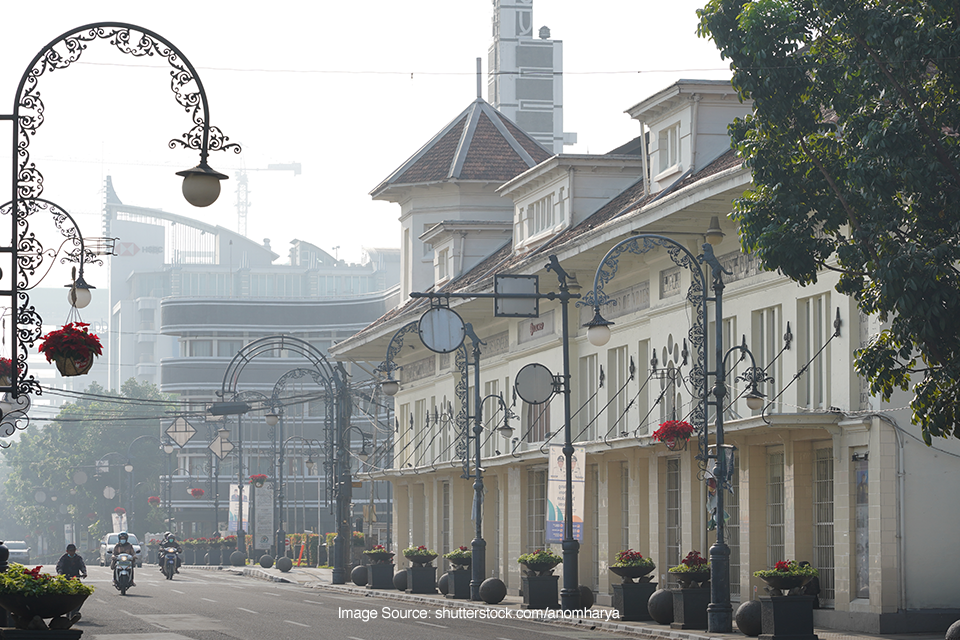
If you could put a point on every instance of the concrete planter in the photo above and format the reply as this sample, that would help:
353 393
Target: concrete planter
540 592
422 579
380 576
690 608
630 599
787 618
459 581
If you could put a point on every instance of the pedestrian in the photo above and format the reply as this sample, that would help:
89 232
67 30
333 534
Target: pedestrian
71 564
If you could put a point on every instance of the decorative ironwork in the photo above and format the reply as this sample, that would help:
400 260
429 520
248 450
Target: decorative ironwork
390 365
696 295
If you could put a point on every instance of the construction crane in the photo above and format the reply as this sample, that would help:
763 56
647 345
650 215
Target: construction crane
243 203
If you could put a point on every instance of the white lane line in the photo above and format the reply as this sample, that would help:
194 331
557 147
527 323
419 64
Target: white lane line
208 599
175 591
126 612
299 624
353 638
310 601
248 610
271 594
100 601
438 626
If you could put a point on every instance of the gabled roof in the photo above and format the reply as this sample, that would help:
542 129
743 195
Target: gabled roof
480 144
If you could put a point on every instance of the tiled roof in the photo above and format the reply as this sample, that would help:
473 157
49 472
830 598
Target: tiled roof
479 144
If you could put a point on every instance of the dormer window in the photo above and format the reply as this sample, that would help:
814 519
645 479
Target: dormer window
669 147
443 268
540 216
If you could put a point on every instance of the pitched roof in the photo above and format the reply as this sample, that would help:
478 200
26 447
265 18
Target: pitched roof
479 144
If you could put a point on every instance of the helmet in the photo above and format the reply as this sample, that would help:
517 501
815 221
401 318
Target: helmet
172 538
167 534
123 536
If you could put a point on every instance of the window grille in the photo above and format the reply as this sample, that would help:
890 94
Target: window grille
776 526
536 509
823 551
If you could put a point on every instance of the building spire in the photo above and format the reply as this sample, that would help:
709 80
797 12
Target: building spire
479 81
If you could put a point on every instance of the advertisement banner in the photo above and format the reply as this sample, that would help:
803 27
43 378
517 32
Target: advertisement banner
557 492
235 508
119 521
263 526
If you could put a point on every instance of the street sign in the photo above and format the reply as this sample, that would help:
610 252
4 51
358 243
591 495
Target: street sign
534 383
441 330
181 431
527 306
221 447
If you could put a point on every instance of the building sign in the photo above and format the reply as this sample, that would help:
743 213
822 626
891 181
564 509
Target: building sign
557 492
423 368
235 509
740 265
531 329
263 526
496 344
670 282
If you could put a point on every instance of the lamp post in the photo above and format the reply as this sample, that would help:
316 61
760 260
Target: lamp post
201 184
719 611
166 447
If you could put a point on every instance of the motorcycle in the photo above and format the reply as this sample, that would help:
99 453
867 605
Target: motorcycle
123 573
168 559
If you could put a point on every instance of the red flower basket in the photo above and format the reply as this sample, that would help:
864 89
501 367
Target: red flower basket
196 492
6 370
258 479
120 511
674 433
153 501
72 348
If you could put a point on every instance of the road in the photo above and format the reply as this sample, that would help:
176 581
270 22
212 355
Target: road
209 605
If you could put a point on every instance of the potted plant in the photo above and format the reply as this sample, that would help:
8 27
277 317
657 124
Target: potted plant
539 585
72 348
787 575
789 613
6 371
539 562
630 597
153 501
358 539
691 599
196 492
421 576
30 593
674 433
119 511
258 479
380 569
459 574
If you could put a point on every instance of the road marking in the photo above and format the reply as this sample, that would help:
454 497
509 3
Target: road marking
299 624
248 610
175 591
271 594
310 601
353 638
208 599
438 626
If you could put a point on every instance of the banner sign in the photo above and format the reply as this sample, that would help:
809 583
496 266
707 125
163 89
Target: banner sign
263 526
235 509
557 492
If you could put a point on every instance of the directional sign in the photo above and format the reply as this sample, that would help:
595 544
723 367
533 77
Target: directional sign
181 431
221 447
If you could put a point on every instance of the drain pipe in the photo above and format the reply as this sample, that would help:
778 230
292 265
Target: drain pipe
901 517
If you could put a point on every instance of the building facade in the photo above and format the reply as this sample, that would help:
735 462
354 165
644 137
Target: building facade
822 473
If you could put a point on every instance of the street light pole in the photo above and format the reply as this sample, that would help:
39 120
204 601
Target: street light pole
479 545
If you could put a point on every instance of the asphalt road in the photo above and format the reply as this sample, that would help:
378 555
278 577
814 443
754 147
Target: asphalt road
206 605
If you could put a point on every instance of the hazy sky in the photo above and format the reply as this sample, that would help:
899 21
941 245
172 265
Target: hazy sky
348 89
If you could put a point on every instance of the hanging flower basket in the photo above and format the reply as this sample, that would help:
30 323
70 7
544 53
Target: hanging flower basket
153 501
258 479
120 511
196 492
6 371
72 348
674 433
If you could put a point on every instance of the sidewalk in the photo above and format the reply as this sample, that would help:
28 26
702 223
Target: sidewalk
321 578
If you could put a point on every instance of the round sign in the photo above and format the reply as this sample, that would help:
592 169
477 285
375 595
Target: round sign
441 330
534 384
80 477
109 493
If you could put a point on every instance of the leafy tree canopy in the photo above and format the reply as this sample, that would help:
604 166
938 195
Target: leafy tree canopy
47 457
854 145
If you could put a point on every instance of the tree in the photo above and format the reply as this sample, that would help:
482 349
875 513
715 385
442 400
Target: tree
46 458
854 145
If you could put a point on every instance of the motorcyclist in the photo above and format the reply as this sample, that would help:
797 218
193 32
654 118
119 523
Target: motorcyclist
71 564
170 540
124 546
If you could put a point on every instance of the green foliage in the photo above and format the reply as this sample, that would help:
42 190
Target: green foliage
787 568
540 556
419 552
854 148
692 563
631 558
47 456
17 579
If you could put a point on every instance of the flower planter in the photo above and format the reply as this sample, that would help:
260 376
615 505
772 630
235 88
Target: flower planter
630 599
23 609
783 585
459 584
72 366
422 560
421 579
539 568
380 575
690 608
692 579
189 555
215 555
629 574
787 617
540 591
379 557
676 444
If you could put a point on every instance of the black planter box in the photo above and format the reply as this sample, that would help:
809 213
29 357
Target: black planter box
422 579
787 618
380 576
459 584
690 608
540 592
630 599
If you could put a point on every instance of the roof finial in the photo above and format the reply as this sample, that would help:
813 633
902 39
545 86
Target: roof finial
479 81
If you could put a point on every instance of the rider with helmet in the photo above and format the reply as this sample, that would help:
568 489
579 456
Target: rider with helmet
124 546
169 540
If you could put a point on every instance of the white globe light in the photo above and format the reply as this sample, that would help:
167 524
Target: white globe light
390 387
201 190
598 334
79 297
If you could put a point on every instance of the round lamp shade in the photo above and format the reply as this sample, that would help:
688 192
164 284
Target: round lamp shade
78 297
201 190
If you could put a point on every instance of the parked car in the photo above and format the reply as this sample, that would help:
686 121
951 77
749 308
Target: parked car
19 551
110 541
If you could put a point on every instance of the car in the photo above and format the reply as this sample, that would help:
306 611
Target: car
110 541
19 551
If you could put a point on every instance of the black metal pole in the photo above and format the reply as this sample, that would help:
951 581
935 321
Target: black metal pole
241 534
344 486
719 611
479 552
281 540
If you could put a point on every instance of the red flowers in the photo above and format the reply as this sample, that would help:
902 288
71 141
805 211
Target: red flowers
258 479
694 559
196 492
673 430
72 341
783 565
153 501
6 367
120 510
